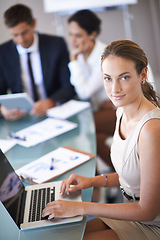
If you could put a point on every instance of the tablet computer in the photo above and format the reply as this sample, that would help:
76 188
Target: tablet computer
21 101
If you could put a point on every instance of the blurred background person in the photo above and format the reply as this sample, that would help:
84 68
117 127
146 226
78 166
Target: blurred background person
86 77
48 57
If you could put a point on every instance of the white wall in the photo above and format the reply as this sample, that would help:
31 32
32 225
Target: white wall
146 32
143 19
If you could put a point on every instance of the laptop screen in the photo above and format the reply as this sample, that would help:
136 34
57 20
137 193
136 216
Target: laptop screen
11 188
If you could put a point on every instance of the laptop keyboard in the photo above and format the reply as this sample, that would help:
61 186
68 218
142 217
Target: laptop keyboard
39 199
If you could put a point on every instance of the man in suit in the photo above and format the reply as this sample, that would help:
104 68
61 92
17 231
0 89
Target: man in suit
49 58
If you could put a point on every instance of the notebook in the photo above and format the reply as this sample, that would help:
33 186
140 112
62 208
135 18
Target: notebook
25 204
68 109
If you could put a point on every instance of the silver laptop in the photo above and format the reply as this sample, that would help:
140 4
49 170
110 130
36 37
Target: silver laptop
25 204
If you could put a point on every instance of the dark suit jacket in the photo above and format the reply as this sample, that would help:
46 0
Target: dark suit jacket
54 60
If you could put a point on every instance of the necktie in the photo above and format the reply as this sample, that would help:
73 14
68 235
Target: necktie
34 89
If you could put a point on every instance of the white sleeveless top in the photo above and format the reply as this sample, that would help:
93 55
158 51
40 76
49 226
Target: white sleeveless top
125 157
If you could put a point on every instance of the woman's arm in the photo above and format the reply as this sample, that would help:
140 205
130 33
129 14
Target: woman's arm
85 87
149 205
76 182
149 151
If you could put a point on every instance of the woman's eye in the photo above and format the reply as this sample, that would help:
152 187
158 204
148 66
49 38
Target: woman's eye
125 78
107 79
78 35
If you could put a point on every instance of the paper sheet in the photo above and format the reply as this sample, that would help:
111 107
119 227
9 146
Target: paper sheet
43 131
67 109
52 164
6 145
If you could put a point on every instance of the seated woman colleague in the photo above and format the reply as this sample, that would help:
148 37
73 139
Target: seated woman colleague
86 77
135 154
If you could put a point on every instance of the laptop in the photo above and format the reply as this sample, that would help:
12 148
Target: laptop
25 204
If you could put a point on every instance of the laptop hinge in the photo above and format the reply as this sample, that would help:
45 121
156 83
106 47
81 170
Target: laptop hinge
21 212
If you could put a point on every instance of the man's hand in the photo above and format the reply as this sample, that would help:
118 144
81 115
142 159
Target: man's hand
40 108
12 114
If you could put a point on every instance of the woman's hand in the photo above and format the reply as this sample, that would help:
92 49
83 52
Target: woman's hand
62 209
74 54
74 183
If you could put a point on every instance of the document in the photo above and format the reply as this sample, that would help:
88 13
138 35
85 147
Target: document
42 131
67 109
21 101
6 145
53 164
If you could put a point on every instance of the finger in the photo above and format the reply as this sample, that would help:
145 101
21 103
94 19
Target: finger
51 208
40 114
48 209
63 187
51 216
68 186
15 116
38 110
55 215
74 188
72 184
53 204
32 112
20 114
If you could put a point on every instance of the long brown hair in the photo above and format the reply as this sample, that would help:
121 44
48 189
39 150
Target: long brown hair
130 50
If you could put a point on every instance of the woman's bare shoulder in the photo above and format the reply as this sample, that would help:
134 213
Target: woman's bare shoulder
151 130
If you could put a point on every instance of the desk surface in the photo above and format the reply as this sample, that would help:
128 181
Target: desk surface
82 138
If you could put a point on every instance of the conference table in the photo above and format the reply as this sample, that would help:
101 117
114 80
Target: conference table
81 138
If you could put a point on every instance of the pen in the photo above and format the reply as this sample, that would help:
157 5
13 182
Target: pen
52 167
26 179
14 136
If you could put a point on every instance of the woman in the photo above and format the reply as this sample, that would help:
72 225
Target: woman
135 154
86 77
